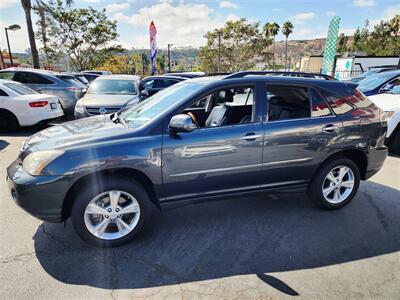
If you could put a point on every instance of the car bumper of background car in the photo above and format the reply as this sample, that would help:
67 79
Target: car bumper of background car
40 196
376 158
45 115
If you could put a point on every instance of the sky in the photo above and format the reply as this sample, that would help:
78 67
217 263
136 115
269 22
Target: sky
184 23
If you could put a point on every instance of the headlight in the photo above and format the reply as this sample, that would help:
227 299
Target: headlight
388 114
79 107
35 162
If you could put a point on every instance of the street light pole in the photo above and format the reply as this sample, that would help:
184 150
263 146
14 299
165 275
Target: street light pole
12 28
169 57
9 48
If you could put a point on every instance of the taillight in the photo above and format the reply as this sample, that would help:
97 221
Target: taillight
38 103
74 89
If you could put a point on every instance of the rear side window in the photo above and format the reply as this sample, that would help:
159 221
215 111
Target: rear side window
339 106
319 108
6 75
3 93
32 78
287 102
69 79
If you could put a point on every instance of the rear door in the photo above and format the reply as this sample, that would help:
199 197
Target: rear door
300 130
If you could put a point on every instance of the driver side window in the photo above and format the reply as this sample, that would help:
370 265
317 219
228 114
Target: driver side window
223 107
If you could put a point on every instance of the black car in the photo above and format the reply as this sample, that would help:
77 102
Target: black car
153 84
202 139
189 75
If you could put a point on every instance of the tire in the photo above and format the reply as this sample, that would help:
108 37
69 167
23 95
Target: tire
82 221
394 145
8 121
320 182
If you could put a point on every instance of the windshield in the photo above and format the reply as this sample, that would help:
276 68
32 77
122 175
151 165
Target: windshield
20 89
113 87
395 90
370 72
158 103
374 81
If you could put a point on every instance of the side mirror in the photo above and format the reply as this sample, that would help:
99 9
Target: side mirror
144 94
181 123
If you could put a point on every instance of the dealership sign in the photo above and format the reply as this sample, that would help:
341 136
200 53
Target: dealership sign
330 46
153 47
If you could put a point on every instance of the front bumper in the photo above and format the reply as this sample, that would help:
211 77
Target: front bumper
376 158
40 196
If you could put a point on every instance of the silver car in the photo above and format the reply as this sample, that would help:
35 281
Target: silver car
108 94
64 86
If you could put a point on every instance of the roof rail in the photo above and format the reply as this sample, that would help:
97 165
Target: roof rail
272 73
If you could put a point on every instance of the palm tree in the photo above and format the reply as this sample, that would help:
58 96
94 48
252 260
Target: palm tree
272 29
287 29
26 4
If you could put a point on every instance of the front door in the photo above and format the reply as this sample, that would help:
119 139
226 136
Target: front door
221 158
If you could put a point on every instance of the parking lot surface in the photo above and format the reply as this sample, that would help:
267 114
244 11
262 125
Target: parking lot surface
263 247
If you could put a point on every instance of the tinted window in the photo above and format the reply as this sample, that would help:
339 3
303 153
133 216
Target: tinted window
112 86
25 77
287 102
6 75
69 79
319 108
159 84
338 105
170 82
20 89
3 93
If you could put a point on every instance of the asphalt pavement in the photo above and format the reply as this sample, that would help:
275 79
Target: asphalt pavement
263 247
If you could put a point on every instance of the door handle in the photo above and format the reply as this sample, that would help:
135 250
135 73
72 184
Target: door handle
330 128
250 137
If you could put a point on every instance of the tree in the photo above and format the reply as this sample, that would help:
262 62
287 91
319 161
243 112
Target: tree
79 32
241 45
287 29
118 64
356 40
342 43
271 29
26 5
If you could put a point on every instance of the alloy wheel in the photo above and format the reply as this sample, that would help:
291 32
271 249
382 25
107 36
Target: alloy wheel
338 184
112 215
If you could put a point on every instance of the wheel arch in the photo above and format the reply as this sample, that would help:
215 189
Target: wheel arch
7 111
358 156
98 176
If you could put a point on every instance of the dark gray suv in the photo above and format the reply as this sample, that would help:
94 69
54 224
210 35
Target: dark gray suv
199 140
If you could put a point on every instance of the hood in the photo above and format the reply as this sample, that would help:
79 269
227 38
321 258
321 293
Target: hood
99 100
386 102
75 133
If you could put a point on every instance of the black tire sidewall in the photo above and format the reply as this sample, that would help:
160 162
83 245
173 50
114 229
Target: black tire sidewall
316 184
90 190
394 145
8 121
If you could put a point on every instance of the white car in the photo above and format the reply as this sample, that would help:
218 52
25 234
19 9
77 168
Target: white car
390 103
22 106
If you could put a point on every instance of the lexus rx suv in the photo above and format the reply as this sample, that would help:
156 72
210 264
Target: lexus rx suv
201 139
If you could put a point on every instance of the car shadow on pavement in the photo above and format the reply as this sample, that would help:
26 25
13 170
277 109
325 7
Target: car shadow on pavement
257 235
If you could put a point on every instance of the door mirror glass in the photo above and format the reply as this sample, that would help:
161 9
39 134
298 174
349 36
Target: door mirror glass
181 123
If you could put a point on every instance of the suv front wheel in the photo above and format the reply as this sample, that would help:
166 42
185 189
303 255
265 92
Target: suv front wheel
336 184
112 212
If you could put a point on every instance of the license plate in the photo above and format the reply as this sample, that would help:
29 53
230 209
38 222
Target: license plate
53 105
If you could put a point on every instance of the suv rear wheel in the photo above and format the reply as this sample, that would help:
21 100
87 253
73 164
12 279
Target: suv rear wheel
336 184
112 214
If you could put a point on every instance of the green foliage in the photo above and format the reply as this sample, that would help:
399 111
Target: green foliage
342 43
241 41
83 33
287 28
384 39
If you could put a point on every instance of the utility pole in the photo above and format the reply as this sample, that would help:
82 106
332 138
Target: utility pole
219 50
169 57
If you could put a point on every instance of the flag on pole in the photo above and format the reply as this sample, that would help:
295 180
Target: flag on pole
330 46
153 47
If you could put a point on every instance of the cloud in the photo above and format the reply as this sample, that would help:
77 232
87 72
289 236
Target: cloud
330 13
364 3
114 7
302 17
8 3
179 23
389 13
19 41
227 4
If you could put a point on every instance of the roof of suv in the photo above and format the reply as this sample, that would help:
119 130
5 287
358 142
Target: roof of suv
41 71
